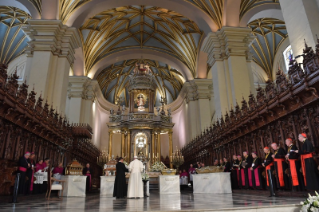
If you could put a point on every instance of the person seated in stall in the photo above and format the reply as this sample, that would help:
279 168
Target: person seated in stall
39 166
58 172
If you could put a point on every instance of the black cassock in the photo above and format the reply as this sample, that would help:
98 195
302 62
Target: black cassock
309 167
282 179
235 175
120 187
227 167
247 181
29 173
88 178
269 163
258 181
23 164
296 177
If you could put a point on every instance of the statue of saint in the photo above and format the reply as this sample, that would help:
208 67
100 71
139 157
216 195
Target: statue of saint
140 101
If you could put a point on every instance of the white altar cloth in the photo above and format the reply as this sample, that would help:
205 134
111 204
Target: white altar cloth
169 184
213 183
74 186
107 185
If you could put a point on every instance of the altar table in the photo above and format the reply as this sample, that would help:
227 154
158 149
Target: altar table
213 183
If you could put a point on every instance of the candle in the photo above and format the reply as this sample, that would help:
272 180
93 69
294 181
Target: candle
149 155
153 154
97 159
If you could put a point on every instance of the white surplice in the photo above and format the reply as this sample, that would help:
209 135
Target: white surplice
135 184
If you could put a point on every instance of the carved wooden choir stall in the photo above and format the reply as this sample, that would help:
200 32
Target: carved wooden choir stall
26 124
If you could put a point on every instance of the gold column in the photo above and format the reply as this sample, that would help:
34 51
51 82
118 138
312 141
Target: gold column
110 144
134 146
170 138
129 145
153 148
159 145
123 145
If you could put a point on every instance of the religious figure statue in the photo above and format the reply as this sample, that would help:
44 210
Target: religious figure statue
140 101
111 111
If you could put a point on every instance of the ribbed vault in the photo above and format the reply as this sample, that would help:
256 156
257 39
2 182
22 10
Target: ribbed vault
213 8
137 27
270 34
13 38
67 7
113 80
247 5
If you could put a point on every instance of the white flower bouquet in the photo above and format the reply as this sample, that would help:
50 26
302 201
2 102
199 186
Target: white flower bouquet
145 177
310 204
157 167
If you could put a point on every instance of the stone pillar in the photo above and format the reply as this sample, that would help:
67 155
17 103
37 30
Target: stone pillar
229 57
50 55
122 145
198 97
110 144
170 138
301 19
80 100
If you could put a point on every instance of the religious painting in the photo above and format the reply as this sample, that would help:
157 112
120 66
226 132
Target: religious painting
141 102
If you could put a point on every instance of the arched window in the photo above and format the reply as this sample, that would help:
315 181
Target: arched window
288 55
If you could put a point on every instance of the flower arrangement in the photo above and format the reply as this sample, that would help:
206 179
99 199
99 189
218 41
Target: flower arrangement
157 166
310 204
145 177
125 163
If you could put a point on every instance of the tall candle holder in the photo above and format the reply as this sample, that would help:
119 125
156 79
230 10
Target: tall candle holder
102 159
177 159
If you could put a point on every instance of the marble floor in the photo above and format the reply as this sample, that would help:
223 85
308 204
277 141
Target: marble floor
186 201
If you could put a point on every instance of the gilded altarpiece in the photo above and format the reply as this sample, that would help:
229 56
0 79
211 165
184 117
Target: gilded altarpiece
140 128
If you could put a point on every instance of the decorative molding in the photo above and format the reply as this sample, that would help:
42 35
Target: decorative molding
229 41
52 35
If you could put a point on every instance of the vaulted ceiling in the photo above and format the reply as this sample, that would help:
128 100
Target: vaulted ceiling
247 5
13 38
140 27
113 80
270 34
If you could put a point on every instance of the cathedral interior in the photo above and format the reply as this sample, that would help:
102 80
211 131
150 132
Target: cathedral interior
118 78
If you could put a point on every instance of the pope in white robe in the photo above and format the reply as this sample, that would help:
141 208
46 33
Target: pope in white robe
135 184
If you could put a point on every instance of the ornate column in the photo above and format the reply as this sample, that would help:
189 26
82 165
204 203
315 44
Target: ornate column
153 147
170 151
50 55
159 145
110 144
228 55
129 145
122 144
134 146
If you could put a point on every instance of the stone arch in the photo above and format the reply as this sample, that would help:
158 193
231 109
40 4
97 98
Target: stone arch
267 10
184 8
137 54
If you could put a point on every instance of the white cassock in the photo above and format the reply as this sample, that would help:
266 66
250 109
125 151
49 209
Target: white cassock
135 184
